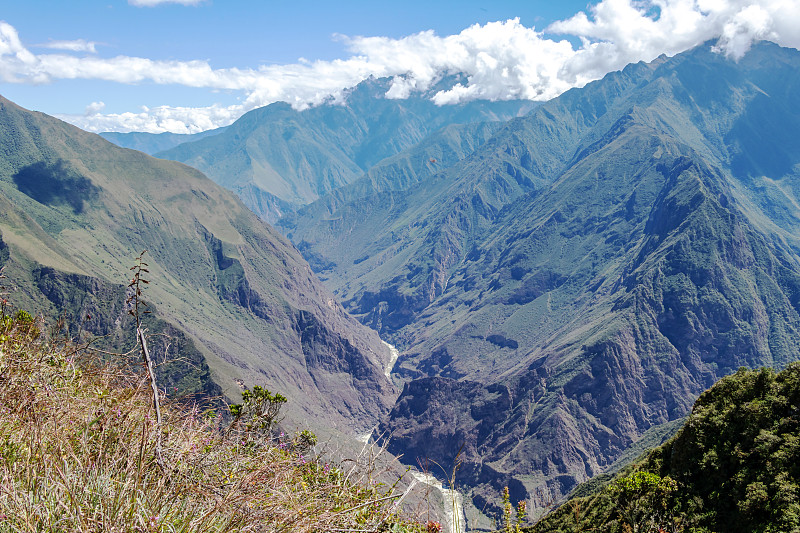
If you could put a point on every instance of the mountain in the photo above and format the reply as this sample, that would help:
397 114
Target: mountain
732 467
150 143
585 273
277 158
240 304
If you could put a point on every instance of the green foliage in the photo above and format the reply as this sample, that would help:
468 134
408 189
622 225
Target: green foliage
258 412
645 501
733 467
23 317
22 323
740 452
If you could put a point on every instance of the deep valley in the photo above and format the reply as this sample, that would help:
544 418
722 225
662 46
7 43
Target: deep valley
560 281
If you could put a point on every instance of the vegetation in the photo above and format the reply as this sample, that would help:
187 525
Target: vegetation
508 525
78 453
733 467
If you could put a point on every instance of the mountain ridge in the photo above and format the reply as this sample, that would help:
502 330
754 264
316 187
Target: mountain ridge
295 157
79 205
585 273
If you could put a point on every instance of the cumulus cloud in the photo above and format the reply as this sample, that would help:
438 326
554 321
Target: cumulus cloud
153 3
78 45
500 60
618 32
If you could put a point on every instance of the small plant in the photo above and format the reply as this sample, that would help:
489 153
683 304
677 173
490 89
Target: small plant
433 527
255 418
515 526
135 302
450 489
643 501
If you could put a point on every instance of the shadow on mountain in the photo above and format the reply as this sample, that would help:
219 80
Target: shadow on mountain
54 184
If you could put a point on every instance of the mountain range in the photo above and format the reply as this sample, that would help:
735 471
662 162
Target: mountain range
151 143
583 274
562 280
277 159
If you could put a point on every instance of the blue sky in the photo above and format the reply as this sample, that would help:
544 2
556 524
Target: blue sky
113 65
232 33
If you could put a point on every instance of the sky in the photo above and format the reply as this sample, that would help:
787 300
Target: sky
190 65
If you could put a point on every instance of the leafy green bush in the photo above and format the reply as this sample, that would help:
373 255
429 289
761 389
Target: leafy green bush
733 467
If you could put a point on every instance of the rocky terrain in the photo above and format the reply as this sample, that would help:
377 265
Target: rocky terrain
585 273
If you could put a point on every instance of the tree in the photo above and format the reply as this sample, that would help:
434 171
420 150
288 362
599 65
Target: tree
644 502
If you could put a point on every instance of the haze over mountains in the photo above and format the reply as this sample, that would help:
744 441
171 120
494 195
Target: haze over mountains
151 143
558 284
277 159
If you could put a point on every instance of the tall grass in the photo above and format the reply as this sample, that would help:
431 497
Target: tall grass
78 453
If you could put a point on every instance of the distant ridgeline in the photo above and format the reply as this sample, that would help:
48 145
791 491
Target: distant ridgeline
277 159
734 467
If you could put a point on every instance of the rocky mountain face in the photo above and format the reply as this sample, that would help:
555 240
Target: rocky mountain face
399 243
240 305
583 274
278 159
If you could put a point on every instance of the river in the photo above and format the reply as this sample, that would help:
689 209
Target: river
395 354
453 508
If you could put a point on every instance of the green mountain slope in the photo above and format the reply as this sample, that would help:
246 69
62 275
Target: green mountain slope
586 272
396 249
76 210
732 467
294 157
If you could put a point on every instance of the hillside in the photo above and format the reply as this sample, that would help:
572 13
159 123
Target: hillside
584 274
238 300
277 158
732 467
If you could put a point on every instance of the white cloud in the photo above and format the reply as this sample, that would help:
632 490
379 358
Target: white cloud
78 45
153 3
501 60
622 31
94 108
158 119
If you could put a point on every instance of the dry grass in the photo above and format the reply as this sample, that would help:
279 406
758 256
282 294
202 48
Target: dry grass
77 453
